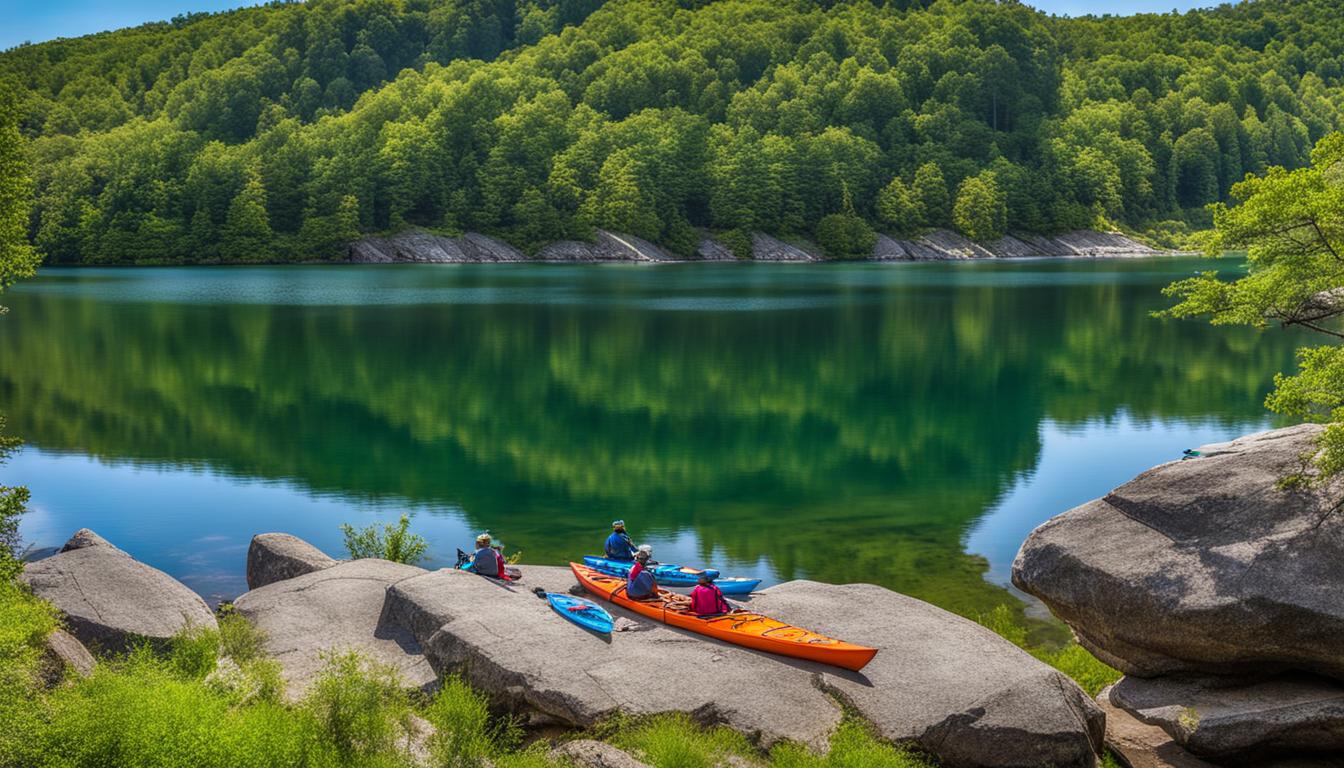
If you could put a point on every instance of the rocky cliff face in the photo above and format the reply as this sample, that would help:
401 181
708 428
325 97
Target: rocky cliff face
937 245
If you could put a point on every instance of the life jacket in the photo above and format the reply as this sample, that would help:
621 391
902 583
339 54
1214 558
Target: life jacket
619 547
499 556
707 600
486 562
641 582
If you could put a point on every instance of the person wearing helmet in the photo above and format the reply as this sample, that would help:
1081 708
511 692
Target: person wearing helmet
641 584
619 546
487 561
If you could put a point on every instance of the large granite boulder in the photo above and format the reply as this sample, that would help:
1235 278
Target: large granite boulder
1225 719
333 610
275 557
955 688
110 600
1209 565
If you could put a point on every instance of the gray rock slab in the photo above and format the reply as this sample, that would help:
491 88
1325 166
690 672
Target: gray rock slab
1142 745
110 600
273 557
1229 719
508 642
333 610
958 690
1206 565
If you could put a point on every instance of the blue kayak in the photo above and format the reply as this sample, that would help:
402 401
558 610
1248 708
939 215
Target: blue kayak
581 611
674 575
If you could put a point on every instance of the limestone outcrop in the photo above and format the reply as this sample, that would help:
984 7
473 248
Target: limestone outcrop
111 601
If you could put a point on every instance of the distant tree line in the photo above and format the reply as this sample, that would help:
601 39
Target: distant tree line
284 131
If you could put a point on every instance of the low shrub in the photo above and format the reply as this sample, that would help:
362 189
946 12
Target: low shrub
393 542
464 733
675 741
358 708
239 639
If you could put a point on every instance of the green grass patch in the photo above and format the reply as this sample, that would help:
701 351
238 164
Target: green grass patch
853 745
676 741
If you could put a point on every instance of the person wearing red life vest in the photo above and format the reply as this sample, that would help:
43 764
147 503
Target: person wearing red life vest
707 599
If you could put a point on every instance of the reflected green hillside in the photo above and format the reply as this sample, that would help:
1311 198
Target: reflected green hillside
888 408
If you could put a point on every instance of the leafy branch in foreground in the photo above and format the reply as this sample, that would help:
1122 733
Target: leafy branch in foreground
393 542
1291 224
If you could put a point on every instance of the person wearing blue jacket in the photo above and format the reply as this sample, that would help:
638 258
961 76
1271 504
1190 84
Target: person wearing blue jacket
619 546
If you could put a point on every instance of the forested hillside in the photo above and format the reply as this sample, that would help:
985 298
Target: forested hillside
282 132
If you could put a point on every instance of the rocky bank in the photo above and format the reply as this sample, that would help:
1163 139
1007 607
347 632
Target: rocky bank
938 245
940 682
1216 587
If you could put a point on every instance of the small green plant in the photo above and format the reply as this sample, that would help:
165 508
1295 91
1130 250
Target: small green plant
239 639
194 651
853 745
393 542
464 734
675 741
358 707
1188 719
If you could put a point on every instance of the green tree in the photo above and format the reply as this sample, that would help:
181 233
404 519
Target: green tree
18 259
929 195
981 211
896 208
246 235
1291 224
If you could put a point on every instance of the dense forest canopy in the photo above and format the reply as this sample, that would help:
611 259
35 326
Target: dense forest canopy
282 132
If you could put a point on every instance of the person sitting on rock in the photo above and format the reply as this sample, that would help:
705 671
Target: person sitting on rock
641 584
707 599
487 561
619 546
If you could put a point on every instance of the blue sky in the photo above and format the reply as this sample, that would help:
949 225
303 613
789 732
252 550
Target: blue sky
24 20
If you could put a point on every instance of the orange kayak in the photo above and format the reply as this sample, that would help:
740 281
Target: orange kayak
740 627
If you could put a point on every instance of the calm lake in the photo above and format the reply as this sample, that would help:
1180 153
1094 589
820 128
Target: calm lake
902 424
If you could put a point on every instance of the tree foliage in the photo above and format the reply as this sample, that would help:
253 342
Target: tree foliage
538 120
1291 223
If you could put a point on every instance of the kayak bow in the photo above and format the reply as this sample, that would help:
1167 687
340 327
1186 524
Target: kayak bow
741 627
